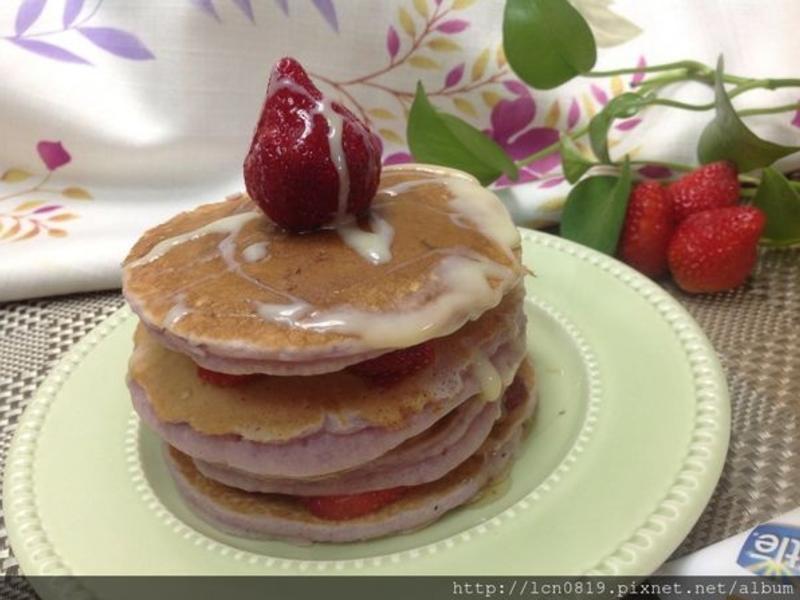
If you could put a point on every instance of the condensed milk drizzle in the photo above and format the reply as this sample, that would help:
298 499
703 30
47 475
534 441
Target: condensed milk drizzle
467 283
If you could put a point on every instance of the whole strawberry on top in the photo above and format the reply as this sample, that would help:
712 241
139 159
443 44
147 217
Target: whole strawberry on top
714 185
311 160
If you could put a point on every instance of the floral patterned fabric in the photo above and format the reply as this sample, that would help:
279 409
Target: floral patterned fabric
117 113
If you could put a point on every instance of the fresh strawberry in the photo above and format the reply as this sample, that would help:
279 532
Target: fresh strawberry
291 168
223 379
715 250
342 508
647 229
711 186
391 367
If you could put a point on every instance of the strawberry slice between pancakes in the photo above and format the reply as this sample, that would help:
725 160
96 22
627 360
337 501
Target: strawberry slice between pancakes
350 506
392 367
224 379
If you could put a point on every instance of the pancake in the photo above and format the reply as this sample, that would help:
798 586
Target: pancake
342 437
225 286
414 462
315 425
273 515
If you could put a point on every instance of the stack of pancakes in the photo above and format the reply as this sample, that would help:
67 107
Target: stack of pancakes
221 288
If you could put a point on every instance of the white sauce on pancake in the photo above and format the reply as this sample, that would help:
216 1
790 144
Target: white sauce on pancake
255 252
475 206
465 280
176 313
489 377
374 246
226 225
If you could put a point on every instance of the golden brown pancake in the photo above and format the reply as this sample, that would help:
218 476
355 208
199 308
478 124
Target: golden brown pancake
203 294
275 408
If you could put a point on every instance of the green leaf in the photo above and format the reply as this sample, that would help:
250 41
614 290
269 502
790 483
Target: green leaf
595 210
442 139
781 204
573 163
728 138
547 42
623 106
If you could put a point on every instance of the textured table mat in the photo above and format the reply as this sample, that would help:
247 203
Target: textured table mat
755 330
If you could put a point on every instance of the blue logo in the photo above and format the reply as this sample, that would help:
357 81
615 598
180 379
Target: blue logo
772 549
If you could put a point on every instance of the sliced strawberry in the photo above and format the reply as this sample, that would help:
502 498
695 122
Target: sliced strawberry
647 229
716 250
392 367
342 508
296 167
223 379
714 185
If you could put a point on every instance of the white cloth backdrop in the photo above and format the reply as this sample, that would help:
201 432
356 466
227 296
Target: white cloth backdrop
115 114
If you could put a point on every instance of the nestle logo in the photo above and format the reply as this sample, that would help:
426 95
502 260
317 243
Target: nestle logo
772 549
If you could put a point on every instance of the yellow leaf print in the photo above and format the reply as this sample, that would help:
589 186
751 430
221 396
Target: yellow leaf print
32 233
462 4
406 22
63 217
423 62
479 66
500 56
491 98
14 230
381 113
77 193
551 120
585 150
441 44
588 106
391 136
465 106
14 176
617 87
422 7
25 206
56 232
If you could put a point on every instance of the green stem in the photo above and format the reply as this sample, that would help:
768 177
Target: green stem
769 110
661 163
682 64
548 150
682 105
770 84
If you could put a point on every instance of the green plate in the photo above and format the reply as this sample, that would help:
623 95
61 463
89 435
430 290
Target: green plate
627 445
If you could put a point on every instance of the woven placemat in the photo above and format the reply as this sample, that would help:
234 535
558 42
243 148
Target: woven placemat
756 331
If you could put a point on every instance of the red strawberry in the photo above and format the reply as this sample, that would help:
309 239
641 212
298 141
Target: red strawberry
291 168
715 250
391 367
711 186
342 508
223 379
647 229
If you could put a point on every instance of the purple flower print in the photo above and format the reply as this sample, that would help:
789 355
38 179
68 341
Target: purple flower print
512 128
53 154
398 158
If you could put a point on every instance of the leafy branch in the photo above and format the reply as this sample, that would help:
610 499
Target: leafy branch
547 43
